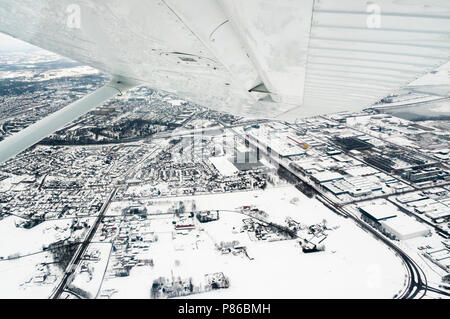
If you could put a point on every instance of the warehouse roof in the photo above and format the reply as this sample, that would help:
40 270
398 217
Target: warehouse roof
405 226
327 176
380 211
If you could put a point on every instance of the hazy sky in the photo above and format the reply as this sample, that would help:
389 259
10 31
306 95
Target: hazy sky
8 43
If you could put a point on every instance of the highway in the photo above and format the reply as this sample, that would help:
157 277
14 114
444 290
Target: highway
70 270
417 281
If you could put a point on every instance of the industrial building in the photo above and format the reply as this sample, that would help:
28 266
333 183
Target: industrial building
382 162
393 223
207 216
355 186
374 214
439 216
247 160
425 175
326 176
441 257
404 227
352 143
437 209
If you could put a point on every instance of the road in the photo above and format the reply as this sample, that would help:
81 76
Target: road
417 281
386 196
70 270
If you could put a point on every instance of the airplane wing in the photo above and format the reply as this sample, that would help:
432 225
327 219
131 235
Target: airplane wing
257 58
281 59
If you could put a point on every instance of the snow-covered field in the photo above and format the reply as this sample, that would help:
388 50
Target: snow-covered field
354 264
21 278
21 241
33 274
89 279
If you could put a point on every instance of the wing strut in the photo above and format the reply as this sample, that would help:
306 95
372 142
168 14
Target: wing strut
34 133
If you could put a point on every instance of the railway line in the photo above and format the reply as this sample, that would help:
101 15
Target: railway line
417 281
70 270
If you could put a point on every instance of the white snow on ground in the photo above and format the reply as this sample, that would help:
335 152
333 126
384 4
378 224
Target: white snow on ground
17 278
223 165
399 140
116 208
9 182
440 108
89 281
22 241
176 102
411 246
354 264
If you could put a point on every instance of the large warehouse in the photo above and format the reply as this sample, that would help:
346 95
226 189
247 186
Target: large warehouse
378 212
392 222
404 227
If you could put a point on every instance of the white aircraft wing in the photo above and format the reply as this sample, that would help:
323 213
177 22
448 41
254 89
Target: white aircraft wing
257 58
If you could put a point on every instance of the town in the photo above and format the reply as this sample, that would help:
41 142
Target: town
150 196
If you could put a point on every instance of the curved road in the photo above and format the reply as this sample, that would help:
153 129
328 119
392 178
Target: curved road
417 281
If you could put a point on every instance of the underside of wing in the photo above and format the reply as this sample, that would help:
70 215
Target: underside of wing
256 58
362 51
